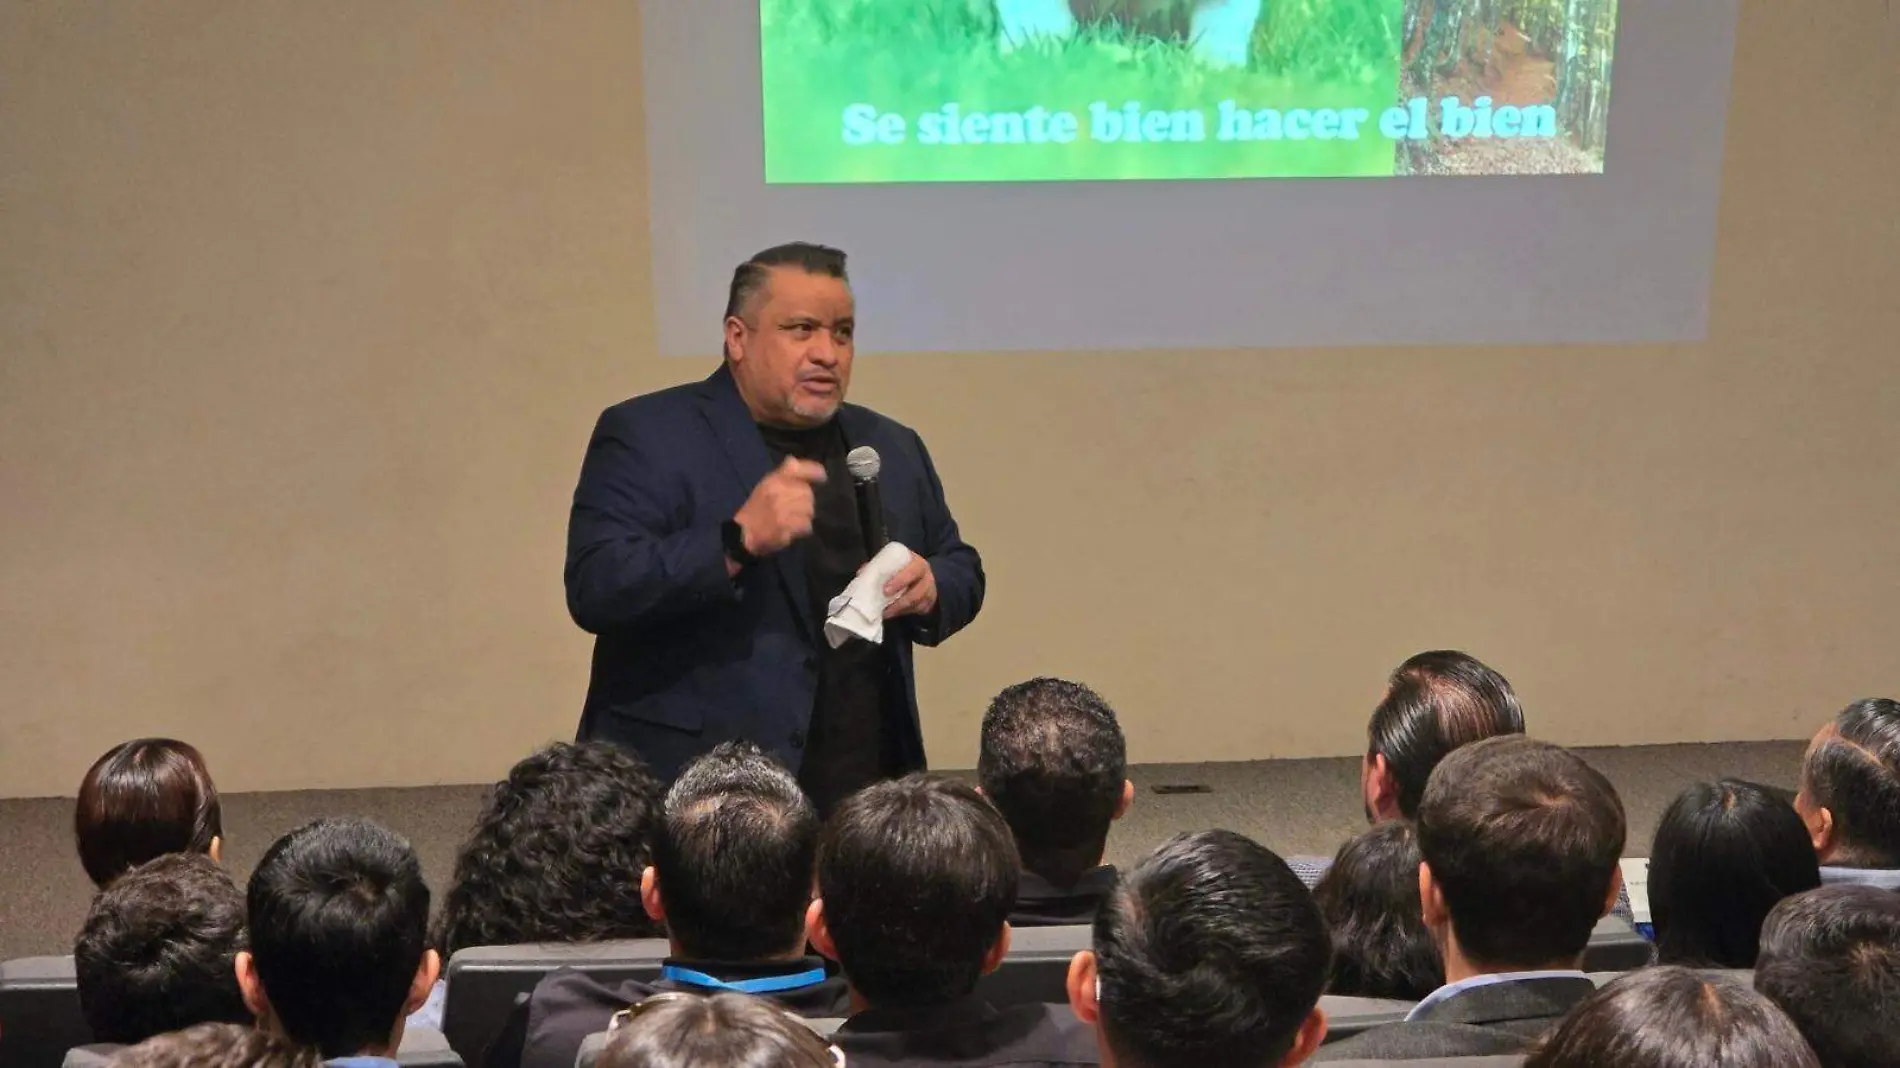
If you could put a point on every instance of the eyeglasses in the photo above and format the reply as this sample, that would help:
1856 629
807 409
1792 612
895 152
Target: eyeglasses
639 1008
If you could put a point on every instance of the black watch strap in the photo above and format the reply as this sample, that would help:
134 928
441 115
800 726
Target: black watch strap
732 536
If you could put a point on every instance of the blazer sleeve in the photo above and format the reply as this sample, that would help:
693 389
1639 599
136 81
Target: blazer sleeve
957 566
632 557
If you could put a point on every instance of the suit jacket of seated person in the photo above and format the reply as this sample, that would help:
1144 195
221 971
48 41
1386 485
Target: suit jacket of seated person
1481 1016
568 1005
967 1033
1041 903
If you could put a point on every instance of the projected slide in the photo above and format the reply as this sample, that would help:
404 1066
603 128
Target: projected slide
891 91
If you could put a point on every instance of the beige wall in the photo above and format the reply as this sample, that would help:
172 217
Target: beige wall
306 311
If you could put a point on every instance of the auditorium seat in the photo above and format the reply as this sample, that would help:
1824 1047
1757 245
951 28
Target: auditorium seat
39 1012
1615 946
484 981
421 1048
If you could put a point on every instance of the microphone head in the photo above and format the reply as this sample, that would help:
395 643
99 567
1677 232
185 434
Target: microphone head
864 463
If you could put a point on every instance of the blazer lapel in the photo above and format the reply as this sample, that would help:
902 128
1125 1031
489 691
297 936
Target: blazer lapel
732 423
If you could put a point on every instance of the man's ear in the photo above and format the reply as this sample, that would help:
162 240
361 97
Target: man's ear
1616 889
650 895
1312 1032
817 932
427 972
1128 798
252 987
1431 899
216 849
1381 789
1819 820
735 336
994 958
1082 987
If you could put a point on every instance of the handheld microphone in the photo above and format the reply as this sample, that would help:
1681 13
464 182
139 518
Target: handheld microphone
864 464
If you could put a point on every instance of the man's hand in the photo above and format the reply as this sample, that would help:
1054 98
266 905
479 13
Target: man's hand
780 509
913 590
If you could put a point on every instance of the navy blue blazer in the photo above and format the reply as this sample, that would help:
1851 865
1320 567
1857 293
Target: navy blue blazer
685 657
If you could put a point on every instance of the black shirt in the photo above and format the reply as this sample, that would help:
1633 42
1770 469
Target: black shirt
852 740
1040 903
969 1033
568 1005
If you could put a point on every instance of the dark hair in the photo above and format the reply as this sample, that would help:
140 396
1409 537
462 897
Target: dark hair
1523 839
1434 703
144 799
721 1031
735 856
217 1045
749 278
1672 1017
1369 896
557 853
339 915
918 877
158 950
1211 954
1725 852
1854 772
1831 959
1053 762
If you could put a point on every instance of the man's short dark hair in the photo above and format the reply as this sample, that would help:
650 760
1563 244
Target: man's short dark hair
735 856
158 949
339 918
1434 703
1831 959
557 853
918 877
217 1045
1053 762
749 278
1676 1017
721 1031
1854 772
1211 954
143 799
1369 896
1523 838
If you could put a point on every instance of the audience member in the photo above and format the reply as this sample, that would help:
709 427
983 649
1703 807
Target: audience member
1725 853
158 949
722 1031
1054 763
731 879
1831 959
1211 954
916 878
144 799
1381 947
339 949
1672 1017
1850 795
1520 841
1434 703
217 1045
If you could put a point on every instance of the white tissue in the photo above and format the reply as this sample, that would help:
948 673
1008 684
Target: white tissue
858 612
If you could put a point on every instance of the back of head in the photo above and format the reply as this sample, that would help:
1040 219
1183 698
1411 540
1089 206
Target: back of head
1210 954
1853 771
144 799
734 856
339 916
1054 762
1724 854
918 877
1672 1017
217 1045
749 278
158 949
1831 959
557 853
723 1031
1369 896
1523 840
1436 702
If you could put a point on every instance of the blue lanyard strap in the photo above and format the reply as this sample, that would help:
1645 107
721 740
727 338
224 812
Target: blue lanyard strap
770 984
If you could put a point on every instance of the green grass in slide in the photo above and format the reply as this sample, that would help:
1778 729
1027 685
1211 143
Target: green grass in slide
912 58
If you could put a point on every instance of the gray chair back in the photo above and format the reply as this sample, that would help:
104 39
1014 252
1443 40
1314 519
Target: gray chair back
39 1012
1615 946
484 981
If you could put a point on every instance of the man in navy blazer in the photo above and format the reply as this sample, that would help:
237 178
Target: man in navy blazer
713 521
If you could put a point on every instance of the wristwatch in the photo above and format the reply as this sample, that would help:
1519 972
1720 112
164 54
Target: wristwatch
732 536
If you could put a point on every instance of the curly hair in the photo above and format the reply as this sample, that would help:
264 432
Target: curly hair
557 853
217 1045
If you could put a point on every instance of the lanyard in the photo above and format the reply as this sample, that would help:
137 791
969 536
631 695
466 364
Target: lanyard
770 984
